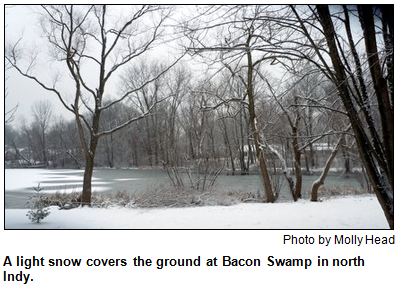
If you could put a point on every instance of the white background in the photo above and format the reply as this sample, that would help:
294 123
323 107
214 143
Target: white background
378 273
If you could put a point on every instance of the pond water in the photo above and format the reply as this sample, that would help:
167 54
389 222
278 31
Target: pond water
19 183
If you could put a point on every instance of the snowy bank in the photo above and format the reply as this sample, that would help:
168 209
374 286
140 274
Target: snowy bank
337 213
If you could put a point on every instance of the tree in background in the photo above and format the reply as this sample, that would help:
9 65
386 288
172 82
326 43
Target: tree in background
235 49
87 37
42 115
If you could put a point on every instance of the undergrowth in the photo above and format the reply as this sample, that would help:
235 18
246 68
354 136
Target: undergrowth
168 197
155 198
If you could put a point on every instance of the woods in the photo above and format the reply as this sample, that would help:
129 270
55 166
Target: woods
243 89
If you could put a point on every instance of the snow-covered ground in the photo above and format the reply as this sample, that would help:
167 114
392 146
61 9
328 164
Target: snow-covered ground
338 213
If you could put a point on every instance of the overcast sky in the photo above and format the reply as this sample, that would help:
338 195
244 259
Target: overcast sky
23 22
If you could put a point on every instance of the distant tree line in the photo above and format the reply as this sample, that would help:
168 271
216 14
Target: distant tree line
183 129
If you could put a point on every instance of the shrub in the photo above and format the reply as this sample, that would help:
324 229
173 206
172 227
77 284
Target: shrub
341 190
38 206
161 197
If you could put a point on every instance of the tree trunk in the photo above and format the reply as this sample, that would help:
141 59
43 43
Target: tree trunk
240 141
307 161
346 156
89 165
366 104
87 191
267 183
89 154
347 163
379 176
297 163
312 156
388 35
109 155
228 146
191 147
284 167
320 181
298 175
112 150
380 84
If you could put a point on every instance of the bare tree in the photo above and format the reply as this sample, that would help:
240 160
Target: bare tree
11 137
236 50
9 114
178 86
377 158
32 145
316 39
42 115
94 48
147 99
320 181
64 143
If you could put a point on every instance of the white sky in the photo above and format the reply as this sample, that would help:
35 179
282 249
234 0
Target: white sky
22 21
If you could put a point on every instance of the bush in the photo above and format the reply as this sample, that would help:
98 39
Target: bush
332 191
162 197
63 200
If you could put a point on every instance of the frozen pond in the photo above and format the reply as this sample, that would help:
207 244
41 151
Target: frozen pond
19 183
